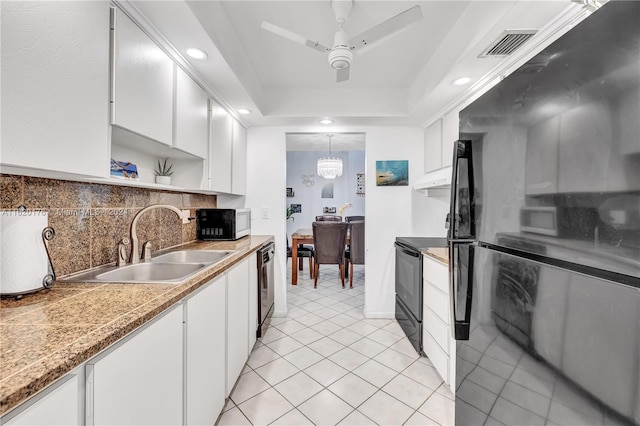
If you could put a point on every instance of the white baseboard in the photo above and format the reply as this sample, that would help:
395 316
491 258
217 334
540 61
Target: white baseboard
279 314
380 315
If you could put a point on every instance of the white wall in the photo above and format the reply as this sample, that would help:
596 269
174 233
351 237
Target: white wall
310 197
390 211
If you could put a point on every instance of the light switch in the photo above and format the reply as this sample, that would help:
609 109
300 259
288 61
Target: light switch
265 212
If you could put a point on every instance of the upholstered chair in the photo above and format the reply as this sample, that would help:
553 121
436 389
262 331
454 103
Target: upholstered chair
329 218
355 252
329 239
353 218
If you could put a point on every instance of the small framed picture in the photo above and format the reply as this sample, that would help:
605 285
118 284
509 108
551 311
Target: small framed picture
290 192
124 170
328 210
296 208
392 173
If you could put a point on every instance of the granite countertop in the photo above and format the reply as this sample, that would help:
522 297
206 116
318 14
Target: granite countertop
441 254
47 334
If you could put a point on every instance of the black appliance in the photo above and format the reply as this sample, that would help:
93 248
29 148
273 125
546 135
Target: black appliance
266 258
223 224
409 298
544 235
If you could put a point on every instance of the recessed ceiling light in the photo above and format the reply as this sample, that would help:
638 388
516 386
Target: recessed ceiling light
196 53
461 81
326 121
244 111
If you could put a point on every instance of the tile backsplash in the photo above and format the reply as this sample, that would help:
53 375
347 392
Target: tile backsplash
90 219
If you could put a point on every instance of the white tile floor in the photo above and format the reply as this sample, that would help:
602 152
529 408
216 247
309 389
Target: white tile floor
324 364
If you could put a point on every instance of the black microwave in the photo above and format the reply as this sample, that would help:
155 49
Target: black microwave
222 224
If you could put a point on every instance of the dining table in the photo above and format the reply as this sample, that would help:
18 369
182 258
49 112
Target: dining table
301 236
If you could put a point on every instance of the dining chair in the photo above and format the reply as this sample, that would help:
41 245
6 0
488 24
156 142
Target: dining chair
329 218
303 251
355 252
353 218
329 239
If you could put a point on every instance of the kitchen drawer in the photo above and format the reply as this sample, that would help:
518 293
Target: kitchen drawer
436 273
438 358
438 329
437 301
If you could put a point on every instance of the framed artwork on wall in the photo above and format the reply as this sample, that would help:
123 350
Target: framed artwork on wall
360 184
124 170
327 190
290 192
392 173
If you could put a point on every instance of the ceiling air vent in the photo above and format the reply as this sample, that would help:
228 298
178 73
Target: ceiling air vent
507 43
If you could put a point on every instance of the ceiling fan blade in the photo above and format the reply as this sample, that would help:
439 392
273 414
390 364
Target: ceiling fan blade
342 74
372 37
293 37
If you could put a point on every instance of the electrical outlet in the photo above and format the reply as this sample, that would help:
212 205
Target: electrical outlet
265 212
185 216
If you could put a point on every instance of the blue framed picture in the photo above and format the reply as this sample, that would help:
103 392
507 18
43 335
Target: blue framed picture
124 170
392 173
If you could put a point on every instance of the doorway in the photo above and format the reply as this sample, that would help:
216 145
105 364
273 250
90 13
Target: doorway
310 195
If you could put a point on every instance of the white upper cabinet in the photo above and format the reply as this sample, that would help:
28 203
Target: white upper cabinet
221 148
191 119
143 76
239 160
433 147
450 134
55 86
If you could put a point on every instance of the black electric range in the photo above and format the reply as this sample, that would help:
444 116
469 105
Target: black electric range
409 284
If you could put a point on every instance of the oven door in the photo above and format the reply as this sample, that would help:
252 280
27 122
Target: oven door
409 279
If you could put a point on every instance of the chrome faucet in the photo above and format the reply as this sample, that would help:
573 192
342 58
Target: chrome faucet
135 255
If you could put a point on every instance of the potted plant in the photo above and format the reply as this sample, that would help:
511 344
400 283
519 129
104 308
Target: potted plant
290 213
163 172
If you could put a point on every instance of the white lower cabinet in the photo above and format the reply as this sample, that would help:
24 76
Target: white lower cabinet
237 321
438 343
177 369
205 352
139 380
58 405
253 300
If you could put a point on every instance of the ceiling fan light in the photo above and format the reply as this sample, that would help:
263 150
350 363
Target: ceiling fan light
340 57
340 65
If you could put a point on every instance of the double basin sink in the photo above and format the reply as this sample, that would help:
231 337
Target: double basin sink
169 268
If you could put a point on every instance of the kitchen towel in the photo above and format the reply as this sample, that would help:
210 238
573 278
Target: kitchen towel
23 257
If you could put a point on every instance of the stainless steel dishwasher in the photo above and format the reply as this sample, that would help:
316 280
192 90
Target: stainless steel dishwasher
266 257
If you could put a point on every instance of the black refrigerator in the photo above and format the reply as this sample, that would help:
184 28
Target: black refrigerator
544 235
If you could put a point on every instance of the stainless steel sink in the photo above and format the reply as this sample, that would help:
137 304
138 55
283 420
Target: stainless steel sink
169 268
193 256
151 272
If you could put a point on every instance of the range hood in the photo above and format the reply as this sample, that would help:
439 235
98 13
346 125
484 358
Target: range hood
436 183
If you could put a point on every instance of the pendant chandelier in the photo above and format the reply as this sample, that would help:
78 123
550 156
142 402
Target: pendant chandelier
330 167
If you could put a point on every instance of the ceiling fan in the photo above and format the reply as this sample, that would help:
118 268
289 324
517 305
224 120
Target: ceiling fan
341 52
